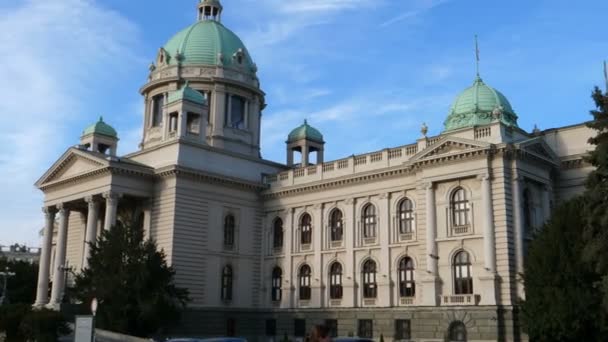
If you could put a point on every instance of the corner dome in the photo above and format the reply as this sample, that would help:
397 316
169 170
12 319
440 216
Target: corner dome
102 128
305 131
188 94
479 104
208 42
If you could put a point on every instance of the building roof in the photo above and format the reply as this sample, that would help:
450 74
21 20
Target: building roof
205 43
188 94
305 131
100 127
479 104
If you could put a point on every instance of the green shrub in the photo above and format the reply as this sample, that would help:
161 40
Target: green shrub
11 317
44 326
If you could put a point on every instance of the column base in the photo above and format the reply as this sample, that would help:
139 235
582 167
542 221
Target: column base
430 287
488 289
53 306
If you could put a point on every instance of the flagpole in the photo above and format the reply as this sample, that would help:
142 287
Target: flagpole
477 56
606 76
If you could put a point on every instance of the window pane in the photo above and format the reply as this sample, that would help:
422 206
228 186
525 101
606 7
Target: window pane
237 112
299 327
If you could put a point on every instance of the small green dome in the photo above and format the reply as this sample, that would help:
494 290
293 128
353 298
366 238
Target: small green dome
202 44
188 94
305 131
479 105
100 127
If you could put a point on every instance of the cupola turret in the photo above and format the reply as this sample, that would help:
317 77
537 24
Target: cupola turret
305 139
210 10
100 137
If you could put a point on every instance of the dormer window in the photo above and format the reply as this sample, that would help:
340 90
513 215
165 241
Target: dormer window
239 56
193 123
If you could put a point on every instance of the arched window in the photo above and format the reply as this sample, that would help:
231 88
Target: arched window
406 216
229 223
335 281
335 224
460 208
227 283
457 332
369 279
463 277
407 283
304 276
306 229
277 233
277 278
369 221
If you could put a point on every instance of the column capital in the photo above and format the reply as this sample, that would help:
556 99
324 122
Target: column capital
317 206
112 195
62 207
92 200
484 177
428 185
50 210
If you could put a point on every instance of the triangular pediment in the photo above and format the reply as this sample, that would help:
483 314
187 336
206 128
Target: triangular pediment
539 148
72 163
448 146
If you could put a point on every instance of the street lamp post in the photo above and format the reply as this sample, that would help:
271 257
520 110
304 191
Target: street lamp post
6 274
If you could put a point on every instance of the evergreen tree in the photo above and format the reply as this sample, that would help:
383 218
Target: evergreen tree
561 302
132 282
21 287
596 196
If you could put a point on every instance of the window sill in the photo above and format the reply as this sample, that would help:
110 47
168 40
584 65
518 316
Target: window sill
369 241
336 244
335 302
461 230
406 236
369 301
304 303
277 250
305 247
407 300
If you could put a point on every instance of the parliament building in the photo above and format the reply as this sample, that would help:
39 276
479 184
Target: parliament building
420 242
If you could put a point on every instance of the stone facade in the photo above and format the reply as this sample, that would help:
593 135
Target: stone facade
429 236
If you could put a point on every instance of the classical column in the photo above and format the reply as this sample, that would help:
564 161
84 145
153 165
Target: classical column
431 230
350 226
305 155
489 246
319 272
488 280
42 293
91 232
288 284
111 209
431 282
519 230
60 251
384 222
546 202
147 209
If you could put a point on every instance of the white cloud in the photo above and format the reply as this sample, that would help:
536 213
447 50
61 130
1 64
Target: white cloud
54 53
418 9
315 6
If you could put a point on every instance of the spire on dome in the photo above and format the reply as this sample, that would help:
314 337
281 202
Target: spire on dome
210 10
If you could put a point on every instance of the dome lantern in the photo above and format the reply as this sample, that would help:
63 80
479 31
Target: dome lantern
210 10
305 139
100 137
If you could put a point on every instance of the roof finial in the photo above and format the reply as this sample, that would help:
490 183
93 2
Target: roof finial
305 122
101 118
477 56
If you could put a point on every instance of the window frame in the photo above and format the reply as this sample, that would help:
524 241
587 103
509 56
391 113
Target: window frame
405 215
306 229
299 327
335 281
461 207
452 331
230 103
276 284
407 276
403 329
227 283
229 230
336 225
365 328
369 219
369 274
304 282
463 273
277 233
158 103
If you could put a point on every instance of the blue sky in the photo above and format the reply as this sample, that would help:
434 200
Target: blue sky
366 73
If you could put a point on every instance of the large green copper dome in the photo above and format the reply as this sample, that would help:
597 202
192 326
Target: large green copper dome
204 42
305 131
480 104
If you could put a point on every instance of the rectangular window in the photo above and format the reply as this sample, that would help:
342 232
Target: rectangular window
299 327
271 327
236 112
231 327
332 327
158 103
193 123
365 328
402 329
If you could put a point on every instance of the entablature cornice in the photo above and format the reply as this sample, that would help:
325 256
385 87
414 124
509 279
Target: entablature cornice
197 175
